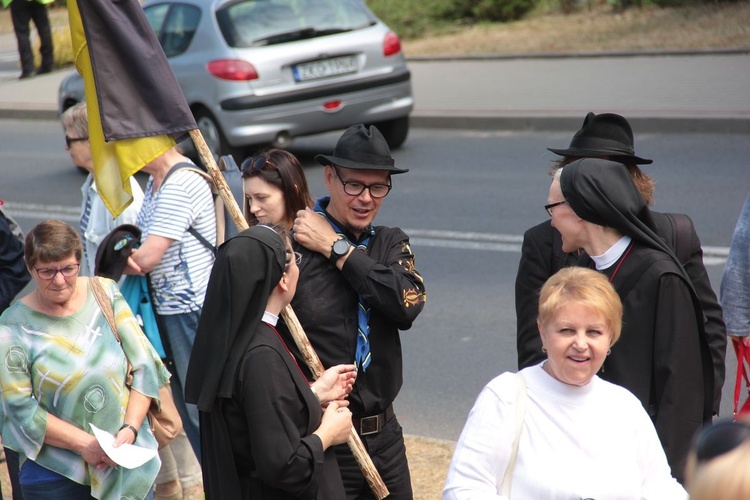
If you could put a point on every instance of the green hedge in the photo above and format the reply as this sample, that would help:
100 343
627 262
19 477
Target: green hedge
414 18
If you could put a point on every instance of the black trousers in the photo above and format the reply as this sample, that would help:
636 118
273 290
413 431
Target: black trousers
22 12
11 460
388 454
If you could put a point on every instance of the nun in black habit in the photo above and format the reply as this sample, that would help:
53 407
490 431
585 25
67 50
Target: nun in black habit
662 356
264 433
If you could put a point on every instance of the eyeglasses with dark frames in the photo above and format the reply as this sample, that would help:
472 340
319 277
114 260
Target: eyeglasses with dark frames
49 273
70 140
719 438
357 188
255 163
548 208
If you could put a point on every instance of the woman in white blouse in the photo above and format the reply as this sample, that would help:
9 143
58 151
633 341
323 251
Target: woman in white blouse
556 430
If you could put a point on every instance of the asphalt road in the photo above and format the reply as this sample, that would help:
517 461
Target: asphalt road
465 203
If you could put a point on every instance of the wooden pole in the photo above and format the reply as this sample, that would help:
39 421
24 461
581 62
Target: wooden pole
300 338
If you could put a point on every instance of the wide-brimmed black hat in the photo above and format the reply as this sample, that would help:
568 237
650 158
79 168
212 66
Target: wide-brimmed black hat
606 134
114 250
362 148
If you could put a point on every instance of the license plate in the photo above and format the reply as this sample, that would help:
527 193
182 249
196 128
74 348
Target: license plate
325 68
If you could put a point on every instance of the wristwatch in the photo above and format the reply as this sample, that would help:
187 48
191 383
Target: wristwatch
339 248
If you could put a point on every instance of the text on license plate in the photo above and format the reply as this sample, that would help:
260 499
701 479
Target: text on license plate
324 68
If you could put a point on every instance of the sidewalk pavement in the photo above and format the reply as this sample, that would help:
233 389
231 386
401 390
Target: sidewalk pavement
683 92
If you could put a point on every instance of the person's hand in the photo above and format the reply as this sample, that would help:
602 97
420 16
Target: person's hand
125 435
131 267
335 384
335 425
745 339
93 454
313 232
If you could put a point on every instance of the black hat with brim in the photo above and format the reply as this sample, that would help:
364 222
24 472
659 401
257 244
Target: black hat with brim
361 148
114 250
606 134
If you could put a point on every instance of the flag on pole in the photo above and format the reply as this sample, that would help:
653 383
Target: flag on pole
136 108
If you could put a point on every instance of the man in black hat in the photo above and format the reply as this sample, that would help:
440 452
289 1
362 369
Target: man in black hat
609 136
358 287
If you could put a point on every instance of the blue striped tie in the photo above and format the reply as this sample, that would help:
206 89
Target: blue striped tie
363 357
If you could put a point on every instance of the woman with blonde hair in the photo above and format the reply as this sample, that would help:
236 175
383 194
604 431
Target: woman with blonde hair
556 430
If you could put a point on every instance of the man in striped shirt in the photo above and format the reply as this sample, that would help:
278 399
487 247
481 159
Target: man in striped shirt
178 264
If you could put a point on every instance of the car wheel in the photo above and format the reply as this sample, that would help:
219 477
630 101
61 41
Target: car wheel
213 136
394 131
210 131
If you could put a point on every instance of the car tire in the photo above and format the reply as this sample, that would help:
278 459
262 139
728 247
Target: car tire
214 136
394 131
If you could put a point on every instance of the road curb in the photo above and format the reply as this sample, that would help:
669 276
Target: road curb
17 112
653 124
582 55
648 124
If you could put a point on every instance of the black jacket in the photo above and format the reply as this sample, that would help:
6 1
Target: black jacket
326 304
542 256
13 273
663 355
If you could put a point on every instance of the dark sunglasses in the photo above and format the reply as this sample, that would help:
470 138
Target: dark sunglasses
71 140
720 438
255 163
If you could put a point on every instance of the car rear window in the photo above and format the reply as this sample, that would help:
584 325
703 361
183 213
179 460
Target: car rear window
255 23
174 25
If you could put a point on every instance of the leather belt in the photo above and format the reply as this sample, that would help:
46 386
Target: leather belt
372 424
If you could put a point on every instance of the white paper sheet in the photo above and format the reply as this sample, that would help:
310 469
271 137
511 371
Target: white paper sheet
126 455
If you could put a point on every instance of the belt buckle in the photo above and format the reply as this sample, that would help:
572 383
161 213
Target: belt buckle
369 425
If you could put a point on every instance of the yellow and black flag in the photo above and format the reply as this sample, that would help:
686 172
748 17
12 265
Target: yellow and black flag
136 108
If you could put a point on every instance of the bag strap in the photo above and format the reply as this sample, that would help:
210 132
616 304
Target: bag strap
743 353
680 236
520 416
189 166
104 304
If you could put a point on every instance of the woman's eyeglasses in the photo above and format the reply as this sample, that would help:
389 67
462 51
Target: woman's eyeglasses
548 208
49 273
720 438
70 140
255 163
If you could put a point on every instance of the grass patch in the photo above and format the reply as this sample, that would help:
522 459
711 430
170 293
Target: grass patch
598 29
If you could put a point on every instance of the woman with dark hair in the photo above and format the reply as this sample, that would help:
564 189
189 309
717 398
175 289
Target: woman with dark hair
275 188
663 357
264 432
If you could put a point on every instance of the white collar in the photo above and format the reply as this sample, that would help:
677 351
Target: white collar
270 318
613 254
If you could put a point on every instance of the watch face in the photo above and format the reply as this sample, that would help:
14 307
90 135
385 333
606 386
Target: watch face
340 247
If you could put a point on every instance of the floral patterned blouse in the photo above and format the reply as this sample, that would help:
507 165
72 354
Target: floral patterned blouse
73 368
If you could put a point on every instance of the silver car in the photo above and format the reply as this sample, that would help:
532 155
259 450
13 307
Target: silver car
258 72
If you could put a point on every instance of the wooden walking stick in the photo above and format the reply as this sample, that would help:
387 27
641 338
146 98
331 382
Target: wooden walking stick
300 338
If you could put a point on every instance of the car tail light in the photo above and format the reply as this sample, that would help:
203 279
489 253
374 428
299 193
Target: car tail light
332 106
391 44
232 69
